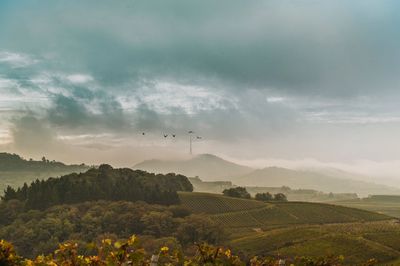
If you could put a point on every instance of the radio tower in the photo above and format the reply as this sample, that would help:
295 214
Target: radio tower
190 141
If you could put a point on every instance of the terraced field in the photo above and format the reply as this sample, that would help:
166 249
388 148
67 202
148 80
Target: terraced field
234 212
214 203
293 228
357 242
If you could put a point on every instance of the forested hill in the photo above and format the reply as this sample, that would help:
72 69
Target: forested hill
104 183
15 163
15 170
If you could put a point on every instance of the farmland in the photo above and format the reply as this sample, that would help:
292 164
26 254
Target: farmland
213 203
292 228
236 212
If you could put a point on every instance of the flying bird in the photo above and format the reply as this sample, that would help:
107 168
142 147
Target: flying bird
143 133
173 135
165 135
190 132
198 137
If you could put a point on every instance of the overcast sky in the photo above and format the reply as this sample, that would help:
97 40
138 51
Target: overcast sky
289 80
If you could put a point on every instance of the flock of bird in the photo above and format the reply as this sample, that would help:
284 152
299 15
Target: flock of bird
174 135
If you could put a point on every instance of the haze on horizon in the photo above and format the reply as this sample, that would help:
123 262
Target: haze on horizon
276 82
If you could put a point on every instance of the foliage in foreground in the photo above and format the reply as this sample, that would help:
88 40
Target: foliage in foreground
130 252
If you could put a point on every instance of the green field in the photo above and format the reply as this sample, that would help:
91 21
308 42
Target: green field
299 228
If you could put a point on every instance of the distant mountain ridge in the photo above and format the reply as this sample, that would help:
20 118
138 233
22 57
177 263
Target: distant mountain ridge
212 168
206 166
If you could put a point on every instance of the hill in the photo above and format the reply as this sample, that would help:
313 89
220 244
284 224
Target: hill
206 166
13 162
293 228
212 168
15 170
357 242
276 177
104 183
236 212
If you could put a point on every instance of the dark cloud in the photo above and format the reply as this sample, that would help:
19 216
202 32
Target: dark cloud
333 48
273 71
87 110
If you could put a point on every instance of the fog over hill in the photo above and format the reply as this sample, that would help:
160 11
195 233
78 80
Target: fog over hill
213 168
15 170
206 166
276 177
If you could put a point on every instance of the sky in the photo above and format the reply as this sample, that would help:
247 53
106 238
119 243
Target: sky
263 82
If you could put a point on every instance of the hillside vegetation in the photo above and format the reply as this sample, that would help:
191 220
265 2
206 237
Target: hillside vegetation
115 203
132 251
104 183
40 231
293 228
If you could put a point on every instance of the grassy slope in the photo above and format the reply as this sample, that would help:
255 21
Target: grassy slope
295 228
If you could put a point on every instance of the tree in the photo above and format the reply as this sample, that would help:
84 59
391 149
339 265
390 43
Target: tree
280 197
264 196
158 224
237 192
198 228
9 194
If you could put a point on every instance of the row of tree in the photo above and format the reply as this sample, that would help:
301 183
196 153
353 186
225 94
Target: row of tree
241 192
104 183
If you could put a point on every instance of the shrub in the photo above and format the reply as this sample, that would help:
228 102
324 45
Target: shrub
129 252
237 192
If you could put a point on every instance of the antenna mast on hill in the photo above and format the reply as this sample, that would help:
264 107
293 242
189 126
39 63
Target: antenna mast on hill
190 141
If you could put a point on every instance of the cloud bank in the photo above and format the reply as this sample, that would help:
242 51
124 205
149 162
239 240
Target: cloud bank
265 79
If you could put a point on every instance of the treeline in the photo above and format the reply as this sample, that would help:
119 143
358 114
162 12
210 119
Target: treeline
38 232
241 192
104 183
